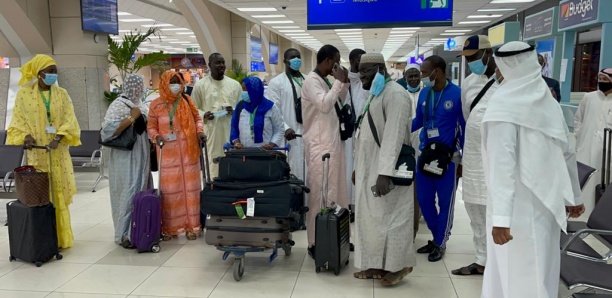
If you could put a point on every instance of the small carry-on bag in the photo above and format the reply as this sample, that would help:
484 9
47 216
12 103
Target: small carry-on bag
332 231
31 184
145 233
253 164
606 155
251 231
32 233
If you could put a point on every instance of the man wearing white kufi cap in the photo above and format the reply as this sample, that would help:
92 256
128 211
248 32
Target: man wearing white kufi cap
531 174
383 234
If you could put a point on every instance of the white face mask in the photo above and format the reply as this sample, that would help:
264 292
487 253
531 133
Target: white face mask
175 88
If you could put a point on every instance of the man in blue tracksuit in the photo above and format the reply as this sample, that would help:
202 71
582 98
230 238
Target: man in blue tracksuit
440 115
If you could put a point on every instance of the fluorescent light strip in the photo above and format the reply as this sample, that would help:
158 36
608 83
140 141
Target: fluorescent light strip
496 9
292 31
348 33
492 16
123 13
175 29
401 35
346 30
269 16
458 30
473 22
407 28
278 22
256 9
157 25
452 34
136 20
184 33
124 31
438 39
298 34
179 42
286 27
510 1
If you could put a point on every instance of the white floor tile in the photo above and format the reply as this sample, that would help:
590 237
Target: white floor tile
87 252
82 295
22 294
326 285
182 282
130 257
414 286
100 232
258 284
46 278
198 256
108 279
468 288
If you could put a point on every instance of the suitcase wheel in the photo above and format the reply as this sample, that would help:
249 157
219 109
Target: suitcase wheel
346 263
238 268
58 257
337 271
38 264
155 248
318 269
287 249
11 259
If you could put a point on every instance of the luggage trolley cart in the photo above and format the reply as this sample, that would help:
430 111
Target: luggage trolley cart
239 251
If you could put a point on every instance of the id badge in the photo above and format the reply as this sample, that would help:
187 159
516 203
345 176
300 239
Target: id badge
50 129
170 137
433 133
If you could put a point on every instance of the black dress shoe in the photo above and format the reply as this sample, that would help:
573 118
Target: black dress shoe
427 249
437 254
311 252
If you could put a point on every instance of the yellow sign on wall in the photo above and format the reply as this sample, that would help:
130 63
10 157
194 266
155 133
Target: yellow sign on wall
497 35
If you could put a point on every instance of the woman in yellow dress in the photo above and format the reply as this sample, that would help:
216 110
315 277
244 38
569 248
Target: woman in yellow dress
44 116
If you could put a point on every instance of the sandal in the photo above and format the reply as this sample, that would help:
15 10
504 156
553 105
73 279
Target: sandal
166 237
191 236
393 278
472 269
370 274
127 244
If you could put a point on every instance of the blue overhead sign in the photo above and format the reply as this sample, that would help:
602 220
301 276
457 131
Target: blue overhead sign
333 14
577 13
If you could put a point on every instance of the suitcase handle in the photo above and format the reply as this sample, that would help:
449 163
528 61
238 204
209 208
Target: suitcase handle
325 182
48 150
605 158
205 163
228 147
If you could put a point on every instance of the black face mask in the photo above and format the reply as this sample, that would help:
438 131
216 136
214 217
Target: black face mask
604 86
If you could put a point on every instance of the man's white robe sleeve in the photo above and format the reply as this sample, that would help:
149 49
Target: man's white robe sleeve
501 144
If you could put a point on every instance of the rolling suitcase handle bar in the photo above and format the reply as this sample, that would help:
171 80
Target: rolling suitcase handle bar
204 163
605 158
159 165
325 183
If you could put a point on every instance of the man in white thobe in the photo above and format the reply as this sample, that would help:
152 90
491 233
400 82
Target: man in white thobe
286 90
476 91
414 87
216 96
383 236
531 176
358 97
593 116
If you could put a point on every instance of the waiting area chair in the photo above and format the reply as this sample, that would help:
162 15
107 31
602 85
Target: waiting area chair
584 176
587 295
89 154
12 157
581 265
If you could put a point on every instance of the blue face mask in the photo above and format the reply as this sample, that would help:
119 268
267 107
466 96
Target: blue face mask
427 81
50 79
414 89
378 84
295 64
478 67
245 96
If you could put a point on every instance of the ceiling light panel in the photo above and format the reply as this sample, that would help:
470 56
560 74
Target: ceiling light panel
278 22
496 9
269 16
473 22
257 9
489 16
136 20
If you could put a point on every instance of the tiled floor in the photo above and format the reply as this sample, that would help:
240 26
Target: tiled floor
96 267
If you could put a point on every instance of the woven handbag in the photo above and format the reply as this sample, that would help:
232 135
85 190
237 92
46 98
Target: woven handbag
32 186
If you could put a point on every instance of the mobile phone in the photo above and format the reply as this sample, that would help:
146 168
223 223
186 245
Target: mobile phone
375 193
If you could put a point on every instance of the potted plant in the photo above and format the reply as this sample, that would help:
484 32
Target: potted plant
236 72
122 55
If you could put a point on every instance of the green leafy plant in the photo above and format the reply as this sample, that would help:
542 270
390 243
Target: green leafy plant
121 54
237 73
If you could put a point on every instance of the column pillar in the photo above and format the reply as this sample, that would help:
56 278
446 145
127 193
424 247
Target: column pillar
569 48
605 60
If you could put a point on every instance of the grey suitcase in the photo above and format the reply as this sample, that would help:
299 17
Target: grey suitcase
252 231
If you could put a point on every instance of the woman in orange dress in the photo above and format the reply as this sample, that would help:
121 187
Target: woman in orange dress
174 121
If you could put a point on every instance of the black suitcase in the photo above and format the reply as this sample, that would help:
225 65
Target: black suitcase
605 164
332 232
32 233
298 206
272 199
253 164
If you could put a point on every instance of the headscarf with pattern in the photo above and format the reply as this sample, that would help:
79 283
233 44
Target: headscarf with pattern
133 90
30 70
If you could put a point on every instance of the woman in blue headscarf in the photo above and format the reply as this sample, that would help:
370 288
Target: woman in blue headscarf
257 121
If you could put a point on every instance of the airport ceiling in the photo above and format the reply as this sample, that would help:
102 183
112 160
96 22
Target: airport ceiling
288 18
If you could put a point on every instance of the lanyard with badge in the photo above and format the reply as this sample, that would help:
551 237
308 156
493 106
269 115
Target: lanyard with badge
431 107
47 102
171 113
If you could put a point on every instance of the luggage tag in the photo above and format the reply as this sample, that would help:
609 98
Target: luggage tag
50 129
433 133
250 207
403 172
170 137
432 167
220 114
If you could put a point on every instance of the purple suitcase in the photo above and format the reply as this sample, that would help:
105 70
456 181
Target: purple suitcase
146 221
145 231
